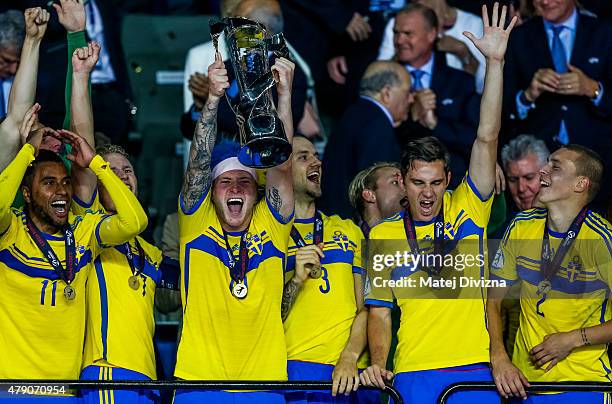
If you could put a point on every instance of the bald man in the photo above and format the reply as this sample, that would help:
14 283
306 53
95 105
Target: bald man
367 130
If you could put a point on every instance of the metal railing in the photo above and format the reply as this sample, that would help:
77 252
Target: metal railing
536 387
188 385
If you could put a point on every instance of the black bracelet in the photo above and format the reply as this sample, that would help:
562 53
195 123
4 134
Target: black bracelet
585 339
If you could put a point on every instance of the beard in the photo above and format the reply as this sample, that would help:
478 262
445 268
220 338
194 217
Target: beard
34 209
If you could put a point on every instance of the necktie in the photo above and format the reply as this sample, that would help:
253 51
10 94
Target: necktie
2 109
417 84
558 51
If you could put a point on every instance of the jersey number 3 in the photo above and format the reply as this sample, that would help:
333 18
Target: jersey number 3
324 277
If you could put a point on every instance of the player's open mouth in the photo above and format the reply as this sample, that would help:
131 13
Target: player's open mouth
314 176
544 183
235 205
426 207
60 208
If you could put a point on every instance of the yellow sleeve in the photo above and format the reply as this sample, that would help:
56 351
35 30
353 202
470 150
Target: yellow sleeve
130 219
10 180
80 207
278 228
504 262
377 291
358 239
477 206
603 255
194 221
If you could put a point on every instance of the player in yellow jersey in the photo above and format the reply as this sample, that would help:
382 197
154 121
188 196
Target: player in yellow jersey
46 254
441 341
562 256
325 321
232 254
121 290
121 297
376 193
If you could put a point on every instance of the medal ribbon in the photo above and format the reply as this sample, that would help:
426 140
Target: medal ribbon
238 269
409 228
551 266
130 257
317 237
66 274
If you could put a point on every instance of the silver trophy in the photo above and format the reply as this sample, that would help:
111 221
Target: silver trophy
262 135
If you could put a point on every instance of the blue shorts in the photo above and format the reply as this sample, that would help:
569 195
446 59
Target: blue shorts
298 370
115 396
198 397
425 386
564 398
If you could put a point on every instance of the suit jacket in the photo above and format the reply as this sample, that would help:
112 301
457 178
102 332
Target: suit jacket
363 136
457 109
586 123
54 59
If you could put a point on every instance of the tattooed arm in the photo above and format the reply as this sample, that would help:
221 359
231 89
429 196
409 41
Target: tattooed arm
279 184
306 259
198 177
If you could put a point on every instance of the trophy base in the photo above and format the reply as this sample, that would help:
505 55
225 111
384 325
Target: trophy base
265 152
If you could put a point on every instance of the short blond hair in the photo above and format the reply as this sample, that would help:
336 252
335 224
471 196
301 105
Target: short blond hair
366 179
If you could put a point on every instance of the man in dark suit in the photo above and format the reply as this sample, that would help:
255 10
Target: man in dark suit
111 90
365 134
446 103
558 77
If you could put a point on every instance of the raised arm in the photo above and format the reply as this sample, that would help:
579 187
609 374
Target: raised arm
12 175
130 219
493 46
279 182
83 61
198 177
71 14
23 89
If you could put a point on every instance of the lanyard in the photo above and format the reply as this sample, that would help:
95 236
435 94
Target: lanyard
317 237
409 228
365 228
550 266
130 257
66 274
238 269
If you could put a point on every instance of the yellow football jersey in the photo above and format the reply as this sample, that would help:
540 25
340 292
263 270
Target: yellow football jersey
437 332
579 295
120 323
42 332
32 300
319 322
225 338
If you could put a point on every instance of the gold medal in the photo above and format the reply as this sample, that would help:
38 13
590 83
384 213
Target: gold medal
239 290
315 272
134 282
544 286
69 293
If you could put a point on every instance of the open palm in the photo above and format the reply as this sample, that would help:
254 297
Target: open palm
494 40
